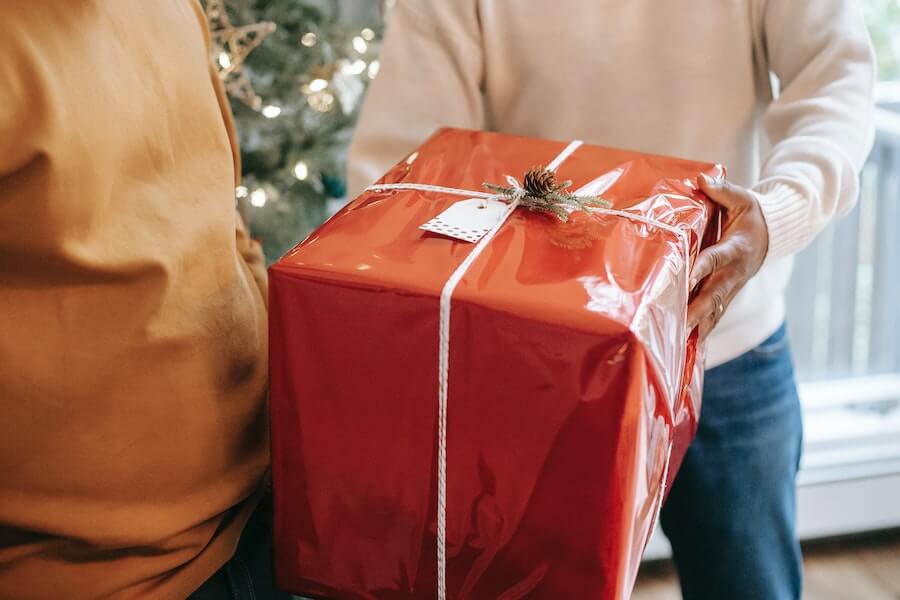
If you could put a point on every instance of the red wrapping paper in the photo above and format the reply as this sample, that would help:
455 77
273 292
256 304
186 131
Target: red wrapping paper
572 378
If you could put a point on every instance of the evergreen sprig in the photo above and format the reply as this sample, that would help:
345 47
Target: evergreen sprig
541 192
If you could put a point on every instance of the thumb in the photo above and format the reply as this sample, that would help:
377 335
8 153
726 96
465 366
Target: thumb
722 192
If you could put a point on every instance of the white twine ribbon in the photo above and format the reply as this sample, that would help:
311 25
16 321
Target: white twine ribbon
444 322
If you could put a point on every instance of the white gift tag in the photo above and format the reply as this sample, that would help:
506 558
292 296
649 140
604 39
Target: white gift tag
468 220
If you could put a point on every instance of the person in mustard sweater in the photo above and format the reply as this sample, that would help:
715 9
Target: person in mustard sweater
133 367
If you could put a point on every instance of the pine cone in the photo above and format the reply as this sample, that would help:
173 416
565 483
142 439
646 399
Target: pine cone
539 182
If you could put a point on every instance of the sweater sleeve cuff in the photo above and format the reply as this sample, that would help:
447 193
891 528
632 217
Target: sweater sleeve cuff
787 216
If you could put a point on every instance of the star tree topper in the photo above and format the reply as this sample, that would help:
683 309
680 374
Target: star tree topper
230 47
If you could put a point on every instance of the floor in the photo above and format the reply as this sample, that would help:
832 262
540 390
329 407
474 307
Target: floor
859 569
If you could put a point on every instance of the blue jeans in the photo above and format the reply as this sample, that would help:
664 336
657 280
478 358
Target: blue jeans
248 575
730 515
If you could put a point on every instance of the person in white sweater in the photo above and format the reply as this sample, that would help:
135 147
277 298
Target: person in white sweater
698 79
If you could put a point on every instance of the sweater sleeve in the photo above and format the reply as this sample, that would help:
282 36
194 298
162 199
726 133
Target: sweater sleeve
249 249
430 76
820 126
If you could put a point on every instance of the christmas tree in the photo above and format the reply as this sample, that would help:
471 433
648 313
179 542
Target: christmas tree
296 71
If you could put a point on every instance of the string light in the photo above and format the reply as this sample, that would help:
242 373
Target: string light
309 39
374 66
367 34
317 85
321 101
258 197
241 191
224 60
301 171
360 45
354 68
271 111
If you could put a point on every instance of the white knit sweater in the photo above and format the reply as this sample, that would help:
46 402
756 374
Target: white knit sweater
689 78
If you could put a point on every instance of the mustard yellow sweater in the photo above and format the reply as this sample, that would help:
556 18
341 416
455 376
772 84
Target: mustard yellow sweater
133 435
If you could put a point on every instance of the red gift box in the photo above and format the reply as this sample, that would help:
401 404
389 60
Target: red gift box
537 460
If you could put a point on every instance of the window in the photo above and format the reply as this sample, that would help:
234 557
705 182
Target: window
844 317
